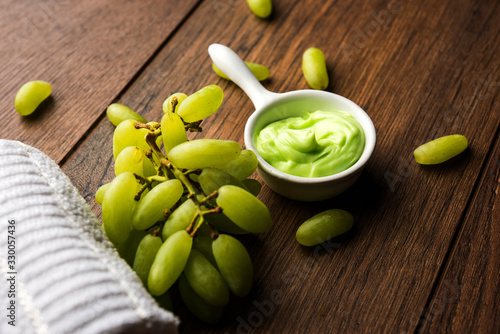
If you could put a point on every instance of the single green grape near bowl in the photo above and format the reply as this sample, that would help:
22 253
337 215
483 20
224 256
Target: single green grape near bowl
261 8
440 150
324 226
314 68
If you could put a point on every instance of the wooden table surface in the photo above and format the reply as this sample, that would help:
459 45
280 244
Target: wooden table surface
424 255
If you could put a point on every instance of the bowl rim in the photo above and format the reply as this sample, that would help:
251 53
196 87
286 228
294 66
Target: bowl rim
353 109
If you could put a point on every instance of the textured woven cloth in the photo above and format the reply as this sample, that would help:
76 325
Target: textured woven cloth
63 275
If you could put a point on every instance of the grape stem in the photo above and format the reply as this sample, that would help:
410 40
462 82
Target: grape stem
209 197
212 231
167 166
139 125
141 191
168 212
174 102
214 210
200 222
155 232
193 171
149 154
193 127
190 227
147 183
153 126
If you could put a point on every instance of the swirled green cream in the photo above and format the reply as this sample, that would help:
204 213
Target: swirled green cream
320 143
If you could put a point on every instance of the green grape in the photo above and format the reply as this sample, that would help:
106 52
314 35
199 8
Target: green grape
132 159
165 301
169 262
167 105
194 177
212 179
441 149
179 219
118 113
201 309
99 194
128 248
224 224
314 68
244 209
145 255
206 280
203 244
260 71
173 131
234 264
203 153
118 205
30 96
126 135
252 185
201 104
150 208
324 226
261 8
241 167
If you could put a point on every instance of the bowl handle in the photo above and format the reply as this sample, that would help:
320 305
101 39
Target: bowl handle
232 66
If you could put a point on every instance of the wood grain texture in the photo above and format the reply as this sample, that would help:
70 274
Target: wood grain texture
467 298
429 69
87 50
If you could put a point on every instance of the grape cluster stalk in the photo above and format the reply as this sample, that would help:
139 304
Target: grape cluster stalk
173 214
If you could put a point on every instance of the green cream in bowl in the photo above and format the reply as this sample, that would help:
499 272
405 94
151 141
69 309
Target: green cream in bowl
317 144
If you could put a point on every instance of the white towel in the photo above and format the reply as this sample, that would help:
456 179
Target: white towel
68 277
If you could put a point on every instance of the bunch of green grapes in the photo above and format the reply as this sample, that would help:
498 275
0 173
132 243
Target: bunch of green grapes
170 212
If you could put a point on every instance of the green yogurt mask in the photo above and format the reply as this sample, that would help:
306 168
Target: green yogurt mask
318 144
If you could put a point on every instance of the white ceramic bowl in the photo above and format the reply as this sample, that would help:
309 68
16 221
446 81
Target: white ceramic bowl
271 107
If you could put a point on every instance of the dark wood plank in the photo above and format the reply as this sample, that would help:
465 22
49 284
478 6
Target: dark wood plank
87 50
467 299
432 70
